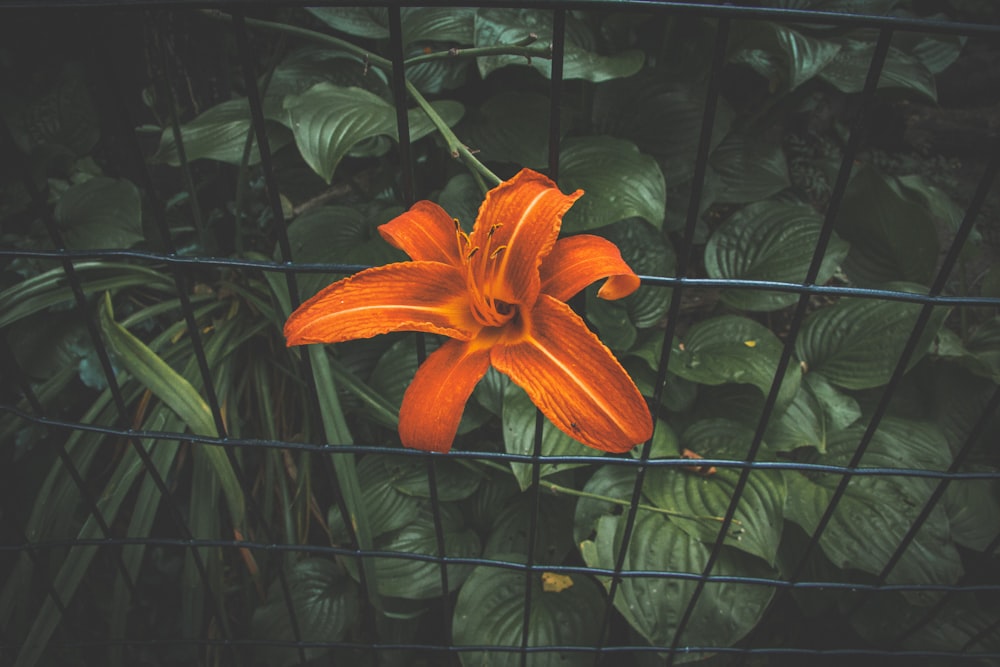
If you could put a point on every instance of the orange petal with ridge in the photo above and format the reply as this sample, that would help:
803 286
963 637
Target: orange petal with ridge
425 232
525 214
406 296
575 380
433 403
577 261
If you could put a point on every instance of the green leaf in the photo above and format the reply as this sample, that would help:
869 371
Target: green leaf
171 388
653 606
512 126
849 68
733 349
328 121
759 514
799 57
324 602
100 213
419 579
65 115
519 437
370 22
663 120
490 612
935 52
502 26
553 531
302 69
438 24
877 511
219 133
647 252
619 182
892 234
750 168
387 507
839 409
973 507
616 482
409 476
769 240
335 235
856 343
461 198
800 425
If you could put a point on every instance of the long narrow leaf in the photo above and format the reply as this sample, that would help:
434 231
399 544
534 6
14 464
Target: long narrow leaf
167 385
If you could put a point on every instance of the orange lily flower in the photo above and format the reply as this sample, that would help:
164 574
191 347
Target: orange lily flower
499 293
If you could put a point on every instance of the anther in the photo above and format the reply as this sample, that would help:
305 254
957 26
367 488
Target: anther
471 253
493 255
493 228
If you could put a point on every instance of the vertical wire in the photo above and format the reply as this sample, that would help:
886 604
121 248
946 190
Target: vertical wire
141 171
122 408
901 367
878 60
555 87
285 247
966 227
400 97
684 258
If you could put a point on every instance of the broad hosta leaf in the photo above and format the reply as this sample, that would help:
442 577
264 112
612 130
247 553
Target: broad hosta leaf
420 579
800 57
64 116
371 22
750 169
733 349
769 240
935 52
490 612
801 425
500 26
511 127
100 213
220 133
328 121
438 24
760 511
856 343
170 387
839 409
849 68
645 249
619 181
461 198
877 511
324 601
615 482
973 507
408 476
553 534
661 119
335 235
891 231
304 68
724 613
519 436
387 507
965 624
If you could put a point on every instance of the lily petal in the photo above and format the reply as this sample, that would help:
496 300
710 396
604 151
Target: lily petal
425 232
433 403
406 296
577 261
575 380
522 215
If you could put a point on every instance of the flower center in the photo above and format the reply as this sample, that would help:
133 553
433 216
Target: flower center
481 268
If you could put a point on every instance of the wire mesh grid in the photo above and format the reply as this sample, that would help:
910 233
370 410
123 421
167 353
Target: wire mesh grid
52 626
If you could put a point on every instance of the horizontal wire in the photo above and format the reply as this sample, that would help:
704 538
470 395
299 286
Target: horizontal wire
251 443
648 280
322 550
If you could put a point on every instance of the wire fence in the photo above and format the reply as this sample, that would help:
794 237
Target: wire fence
64 636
